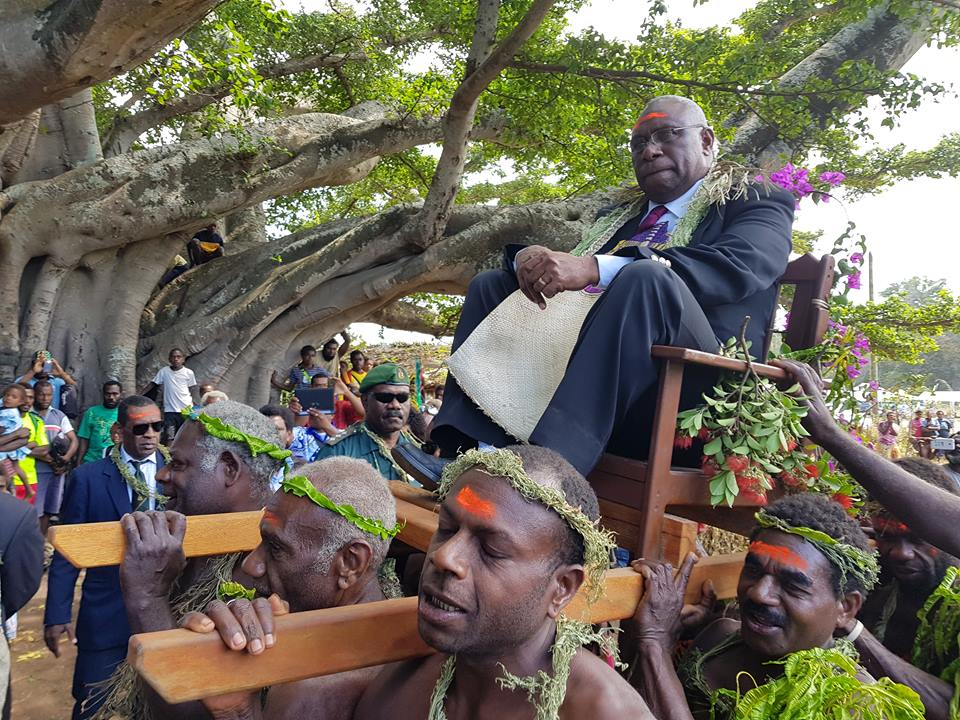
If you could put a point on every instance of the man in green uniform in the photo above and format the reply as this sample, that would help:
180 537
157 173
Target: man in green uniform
385 393
94 430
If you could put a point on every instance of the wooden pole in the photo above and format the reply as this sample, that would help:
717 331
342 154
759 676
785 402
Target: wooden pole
101 544
182 665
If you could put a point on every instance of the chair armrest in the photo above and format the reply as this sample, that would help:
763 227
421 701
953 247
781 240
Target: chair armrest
697 357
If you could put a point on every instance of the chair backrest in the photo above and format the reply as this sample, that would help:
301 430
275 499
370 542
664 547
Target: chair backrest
810 311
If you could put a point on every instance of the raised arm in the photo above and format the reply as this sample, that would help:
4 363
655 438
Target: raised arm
933 514
880 662
345 345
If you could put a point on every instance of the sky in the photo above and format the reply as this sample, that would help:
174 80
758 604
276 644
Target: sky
906 226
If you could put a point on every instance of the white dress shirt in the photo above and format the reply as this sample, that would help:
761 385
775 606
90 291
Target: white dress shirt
148 466
610 265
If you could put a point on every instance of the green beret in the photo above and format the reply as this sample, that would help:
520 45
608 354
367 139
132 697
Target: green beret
386 374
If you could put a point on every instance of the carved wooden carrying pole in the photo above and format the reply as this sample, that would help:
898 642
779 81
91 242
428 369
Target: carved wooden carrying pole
182 665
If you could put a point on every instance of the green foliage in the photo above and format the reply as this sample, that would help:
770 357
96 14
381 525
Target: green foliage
566 123
750 431
823 683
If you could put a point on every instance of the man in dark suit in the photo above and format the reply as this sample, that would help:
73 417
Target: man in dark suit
656 289
99 492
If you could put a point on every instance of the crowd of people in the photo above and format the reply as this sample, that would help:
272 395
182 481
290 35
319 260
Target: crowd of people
834 616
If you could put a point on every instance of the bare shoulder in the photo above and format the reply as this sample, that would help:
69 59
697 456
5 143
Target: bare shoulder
597 691
401 690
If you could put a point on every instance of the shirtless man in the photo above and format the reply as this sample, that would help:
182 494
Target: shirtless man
804 579
206 474
498 573
313 558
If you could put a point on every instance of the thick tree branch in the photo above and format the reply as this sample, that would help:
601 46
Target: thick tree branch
406 315
882 39
463 107
55 48
126 130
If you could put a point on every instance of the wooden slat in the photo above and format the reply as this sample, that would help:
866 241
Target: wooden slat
678 540
699 357
102 544
182 665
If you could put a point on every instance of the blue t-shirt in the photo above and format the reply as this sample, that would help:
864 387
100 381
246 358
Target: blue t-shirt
56 382
302 377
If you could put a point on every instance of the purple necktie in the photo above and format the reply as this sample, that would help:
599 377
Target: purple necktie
649 222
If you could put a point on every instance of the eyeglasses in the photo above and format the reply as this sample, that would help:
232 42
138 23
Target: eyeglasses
661 137
387 398
142 428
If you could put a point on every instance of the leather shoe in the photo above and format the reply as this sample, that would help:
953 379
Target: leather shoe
424 468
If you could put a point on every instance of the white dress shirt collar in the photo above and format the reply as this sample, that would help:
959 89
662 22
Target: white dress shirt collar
678 206
128 458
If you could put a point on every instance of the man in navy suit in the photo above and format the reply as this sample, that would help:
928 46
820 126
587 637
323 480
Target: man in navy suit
654 293
98 492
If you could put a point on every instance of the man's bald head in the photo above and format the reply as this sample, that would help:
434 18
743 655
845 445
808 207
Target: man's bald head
683 111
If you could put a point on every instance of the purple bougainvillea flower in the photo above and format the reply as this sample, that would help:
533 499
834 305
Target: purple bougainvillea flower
856 258
832 178
853 280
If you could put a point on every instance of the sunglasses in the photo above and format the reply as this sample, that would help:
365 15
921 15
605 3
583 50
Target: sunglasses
387 398
142 428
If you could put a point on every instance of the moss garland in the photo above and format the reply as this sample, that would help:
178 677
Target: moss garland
215 427
544 691
140 489
598 543
848 559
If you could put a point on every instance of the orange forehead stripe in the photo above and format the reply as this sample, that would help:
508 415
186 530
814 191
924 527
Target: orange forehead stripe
476 505
138 415
271 518
778 553
650 116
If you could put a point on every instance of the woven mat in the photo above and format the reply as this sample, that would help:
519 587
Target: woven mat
513 362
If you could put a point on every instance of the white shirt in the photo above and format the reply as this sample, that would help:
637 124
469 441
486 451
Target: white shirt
148 466
176 387
610 265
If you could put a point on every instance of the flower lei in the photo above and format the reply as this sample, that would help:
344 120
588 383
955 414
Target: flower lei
301 487
726 180
862 564
544 691
217 428
139 487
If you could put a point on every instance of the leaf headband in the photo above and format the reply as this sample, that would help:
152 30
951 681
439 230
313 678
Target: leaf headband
862 564
301 487
217 428
597 543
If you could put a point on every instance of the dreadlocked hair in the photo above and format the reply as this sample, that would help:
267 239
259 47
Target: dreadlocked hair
549 468
819 513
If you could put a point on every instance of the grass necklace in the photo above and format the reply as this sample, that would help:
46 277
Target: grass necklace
139 487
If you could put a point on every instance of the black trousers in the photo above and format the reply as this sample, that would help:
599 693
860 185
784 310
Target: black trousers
607 396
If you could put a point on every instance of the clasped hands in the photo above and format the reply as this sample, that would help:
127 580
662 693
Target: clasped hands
543 273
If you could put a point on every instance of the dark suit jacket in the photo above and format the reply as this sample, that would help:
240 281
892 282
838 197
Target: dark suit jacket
733 262
21 554
96 493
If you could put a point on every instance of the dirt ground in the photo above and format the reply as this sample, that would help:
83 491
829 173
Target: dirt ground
41 682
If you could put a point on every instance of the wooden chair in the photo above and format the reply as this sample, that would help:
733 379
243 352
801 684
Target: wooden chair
635 496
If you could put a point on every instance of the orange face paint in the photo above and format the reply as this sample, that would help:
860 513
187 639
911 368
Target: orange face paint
778 553
476 505
649 116
138 415
271 518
